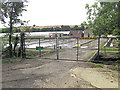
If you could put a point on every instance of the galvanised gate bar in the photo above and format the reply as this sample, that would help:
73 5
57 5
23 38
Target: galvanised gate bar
76 49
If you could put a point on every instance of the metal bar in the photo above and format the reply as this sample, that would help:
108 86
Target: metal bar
99 48
57 48
64 38
39 46
22 41
77 48
71 37
24 49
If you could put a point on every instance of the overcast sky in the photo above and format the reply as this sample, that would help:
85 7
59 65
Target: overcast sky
56 12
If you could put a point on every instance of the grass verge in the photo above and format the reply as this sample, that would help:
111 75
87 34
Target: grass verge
97 65
35 36
11 60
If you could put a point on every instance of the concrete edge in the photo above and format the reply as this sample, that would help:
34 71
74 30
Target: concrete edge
86 42
93 56
108 42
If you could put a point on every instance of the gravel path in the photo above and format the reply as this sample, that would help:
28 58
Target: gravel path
44 73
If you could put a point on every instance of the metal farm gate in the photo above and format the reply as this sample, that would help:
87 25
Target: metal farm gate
60 48
77 48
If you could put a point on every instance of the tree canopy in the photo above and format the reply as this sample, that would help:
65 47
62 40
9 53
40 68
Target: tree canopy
11 10
10 13
103 18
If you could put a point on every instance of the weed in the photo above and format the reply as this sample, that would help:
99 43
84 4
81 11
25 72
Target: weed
97 65
10 60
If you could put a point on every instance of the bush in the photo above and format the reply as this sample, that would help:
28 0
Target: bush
5 52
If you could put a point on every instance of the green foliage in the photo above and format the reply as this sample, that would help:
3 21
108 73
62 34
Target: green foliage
12 10
10 13
11 60
4 40
116 31
5 30
97 65
103 19
34 29
5 52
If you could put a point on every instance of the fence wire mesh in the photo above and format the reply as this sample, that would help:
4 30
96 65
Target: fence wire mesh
57 48
70 48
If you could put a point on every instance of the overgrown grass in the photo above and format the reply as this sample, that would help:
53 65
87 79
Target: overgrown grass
102 46
111 48
114 57
108 51
114 66
11 60
35 36
109 58
36 53
48 54
92 55
30 53
97 65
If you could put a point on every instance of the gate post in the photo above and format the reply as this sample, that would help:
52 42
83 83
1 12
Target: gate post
57 46
24 46
77 48
98 48
39 46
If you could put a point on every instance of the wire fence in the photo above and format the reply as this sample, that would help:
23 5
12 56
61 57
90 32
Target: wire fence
72 48
57 48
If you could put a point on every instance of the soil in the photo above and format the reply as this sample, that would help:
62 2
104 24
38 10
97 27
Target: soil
57 74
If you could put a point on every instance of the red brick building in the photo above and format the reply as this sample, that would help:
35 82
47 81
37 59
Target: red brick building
75 33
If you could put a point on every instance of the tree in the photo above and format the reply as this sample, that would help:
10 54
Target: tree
76 27
82 26
103 18
84 23
11 11
65 27
34 25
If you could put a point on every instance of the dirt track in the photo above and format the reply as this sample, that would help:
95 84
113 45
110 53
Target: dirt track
43 73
